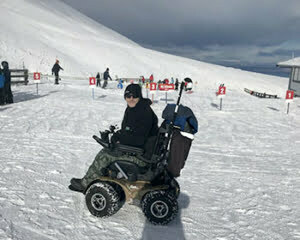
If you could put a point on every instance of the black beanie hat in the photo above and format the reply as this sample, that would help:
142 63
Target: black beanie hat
133 90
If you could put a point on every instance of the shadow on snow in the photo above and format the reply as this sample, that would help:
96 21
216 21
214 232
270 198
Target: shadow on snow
215 105
4 108
102 96
24 96
274 109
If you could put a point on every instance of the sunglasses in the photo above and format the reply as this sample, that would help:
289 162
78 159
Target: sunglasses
129 95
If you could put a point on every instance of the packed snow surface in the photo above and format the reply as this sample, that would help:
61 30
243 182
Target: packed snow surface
241 179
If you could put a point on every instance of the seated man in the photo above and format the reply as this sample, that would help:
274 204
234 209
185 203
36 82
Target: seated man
139 123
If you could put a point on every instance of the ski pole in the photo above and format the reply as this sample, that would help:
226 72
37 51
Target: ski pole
166 97
171 126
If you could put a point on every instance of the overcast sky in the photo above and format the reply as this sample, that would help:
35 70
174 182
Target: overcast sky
219 31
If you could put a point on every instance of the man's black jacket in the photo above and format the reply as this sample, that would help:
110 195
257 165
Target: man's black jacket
139 123
106 75
56 68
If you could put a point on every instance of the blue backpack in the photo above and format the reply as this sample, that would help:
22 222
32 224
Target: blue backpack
2 80
185 118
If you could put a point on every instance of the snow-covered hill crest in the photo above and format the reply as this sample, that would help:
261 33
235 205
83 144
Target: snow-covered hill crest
36 32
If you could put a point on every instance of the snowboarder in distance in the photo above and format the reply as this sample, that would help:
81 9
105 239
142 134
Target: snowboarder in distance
98 80
55 69
106 76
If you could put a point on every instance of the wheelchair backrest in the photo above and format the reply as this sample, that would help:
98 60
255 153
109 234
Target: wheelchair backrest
161 144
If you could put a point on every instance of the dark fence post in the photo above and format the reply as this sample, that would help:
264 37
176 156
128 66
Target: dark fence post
26 76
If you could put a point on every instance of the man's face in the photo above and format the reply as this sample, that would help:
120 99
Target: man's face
131 101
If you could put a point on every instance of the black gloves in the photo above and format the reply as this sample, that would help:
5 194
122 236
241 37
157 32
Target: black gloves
104 136
116 137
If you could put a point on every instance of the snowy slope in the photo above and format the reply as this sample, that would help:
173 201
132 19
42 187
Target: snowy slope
37 32
241 180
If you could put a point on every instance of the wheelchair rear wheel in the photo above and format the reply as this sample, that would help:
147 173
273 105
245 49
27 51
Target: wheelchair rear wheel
159 207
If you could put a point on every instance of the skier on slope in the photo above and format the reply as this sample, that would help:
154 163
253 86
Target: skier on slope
106 76
55 69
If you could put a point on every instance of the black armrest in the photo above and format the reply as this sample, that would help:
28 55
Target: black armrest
120 147
129 149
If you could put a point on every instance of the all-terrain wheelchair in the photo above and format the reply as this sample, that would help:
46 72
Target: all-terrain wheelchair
122 181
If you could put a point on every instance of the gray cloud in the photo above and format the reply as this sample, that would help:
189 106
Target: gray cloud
218 28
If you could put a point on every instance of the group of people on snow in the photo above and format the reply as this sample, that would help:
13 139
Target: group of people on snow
106 76
6 96
165 81
56 68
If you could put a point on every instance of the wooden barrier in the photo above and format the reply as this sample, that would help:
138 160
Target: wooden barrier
19 76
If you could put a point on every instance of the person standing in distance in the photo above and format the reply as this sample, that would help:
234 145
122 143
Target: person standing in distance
55 69
98 80
106 76
8 96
